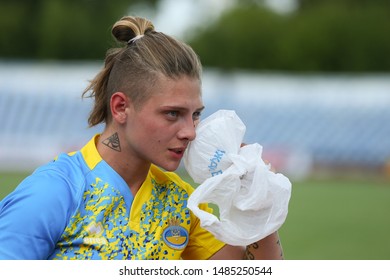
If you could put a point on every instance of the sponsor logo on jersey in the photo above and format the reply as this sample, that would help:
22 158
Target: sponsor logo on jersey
95 232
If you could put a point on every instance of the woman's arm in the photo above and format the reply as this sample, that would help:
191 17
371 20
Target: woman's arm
268 248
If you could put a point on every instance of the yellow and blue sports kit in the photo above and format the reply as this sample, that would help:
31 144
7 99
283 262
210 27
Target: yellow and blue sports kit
78 207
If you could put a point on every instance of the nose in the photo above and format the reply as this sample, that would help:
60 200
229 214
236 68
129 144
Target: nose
188 130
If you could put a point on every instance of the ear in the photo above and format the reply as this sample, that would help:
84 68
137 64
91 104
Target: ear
118 104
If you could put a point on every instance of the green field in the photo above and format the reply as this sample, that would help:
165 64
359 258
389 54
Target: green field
338 219
329 219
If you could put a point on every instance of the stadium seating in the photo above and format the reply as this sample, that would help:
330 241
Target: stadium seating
299 120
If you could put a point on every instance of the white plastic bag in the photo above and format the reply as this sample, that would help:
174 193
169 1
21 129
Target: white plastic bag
252 200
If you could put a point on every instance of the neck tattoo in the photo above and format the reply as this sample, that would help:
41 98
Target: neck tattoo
113 142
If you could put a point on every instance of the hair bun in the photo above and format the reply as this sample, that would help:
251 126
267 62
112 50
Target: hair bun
129 28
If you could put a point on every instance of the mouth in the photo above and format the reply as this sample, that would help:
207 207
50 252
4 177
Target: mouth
178 151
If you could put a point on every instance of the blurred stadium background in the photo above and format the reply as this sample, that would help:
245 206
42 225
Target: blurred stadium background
328 131
306 123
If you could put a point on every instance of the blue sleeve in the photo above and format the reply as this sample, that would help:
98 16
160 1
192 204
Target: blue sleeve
34 215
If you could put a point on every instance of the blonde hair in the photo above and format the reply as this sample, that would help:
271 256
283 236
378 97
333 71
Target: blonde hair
135 67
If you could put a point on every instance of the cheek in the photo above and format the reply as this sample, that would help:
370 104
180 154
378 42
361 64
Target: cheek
153 134
159 137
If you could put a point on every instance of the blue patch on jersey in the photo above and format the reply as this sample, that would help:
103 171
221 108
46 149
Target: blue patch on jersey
176 237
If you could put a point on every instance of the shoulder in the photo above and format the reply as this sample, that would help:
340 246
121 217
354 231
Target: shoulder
35 214
51 190
64 176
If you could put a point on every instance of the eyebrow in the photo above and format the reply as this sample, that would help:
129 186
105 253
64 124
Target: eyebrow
200 109
179 108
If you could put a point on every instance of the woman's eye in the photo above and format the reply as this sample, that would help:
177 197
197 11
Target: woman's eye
173 114
196 116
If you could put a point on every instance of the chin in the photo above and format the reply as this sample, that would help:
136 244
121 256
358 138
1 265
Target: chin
169 167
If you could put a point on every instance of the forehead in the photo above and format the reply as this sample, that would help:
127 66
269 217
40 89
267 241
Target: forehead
181 91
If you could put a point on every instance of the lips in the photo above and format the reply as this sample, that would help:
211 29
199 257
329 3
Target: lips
178 152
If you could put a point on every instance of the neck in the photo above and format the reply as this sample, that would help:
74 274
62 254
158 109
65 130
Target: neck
129 167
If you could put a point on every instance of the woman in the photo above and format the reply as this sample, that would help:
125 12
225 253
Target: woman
117 198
